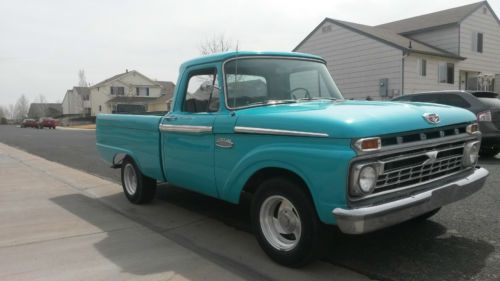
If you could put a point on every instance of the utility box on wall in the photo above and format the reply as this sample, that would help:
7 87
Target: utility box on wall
383 87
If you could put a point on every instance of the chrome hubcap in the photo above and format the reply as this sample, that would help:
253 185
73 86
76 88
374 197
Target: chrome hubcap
280 223
130 179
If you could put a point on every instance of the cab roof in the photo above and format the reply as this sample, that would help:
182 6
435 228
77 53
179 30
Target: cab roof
219 57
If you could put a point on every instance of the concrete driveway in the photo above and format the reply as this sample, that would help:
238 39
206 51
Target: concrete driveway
57 223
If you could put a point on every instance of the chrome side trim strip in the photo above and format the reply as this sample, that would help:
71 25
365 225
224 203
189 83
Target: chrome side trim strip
264 131
185 129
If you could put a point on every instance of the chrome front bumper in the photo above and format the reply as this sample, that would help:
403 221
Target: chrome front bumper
367 219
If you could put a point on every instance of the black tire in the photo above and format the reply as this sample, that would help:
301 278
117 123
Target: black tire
426 216
145 186
307 248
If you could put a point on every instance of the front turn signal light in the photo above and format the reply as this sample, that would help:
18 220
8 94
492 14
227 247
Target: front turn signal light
368 144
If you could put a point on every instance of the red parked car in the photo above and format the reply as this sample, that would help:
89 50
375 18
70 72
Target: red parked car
47 123
29 123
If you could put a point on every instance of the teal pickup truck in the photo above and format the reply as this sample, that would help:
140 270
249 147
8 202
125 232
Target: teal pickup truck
276 127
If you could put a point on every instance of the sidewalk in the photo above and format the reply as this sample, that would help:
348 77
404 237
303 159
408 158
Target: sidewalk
57 223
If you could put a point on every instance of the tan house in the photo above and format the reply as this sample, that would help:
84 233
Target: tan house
128 92
458 48
164 102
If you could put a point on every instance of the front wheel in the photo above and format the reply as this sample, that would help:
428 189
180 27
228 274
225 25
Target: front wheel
138 188
285 222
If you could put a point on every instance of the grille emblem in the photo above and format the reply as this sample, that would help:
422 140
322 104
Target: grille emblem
432 157
431 118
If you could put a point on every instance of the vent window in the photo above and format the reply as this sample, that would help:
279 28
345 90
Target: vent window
326 28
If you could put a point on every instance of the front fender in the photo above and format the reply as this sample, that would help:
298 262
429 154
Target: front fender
324 170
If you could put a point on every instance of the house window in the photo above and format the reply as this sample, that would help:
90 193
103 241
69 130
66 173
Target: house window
118 91
142 91
100 108
477 42
422 67
446 73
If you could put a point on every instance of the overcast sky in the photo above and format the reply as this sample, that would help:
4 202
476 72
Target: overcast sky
43 44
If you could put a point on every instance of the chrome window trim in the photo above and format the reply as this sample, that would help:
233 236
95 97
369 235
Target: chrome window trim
185 129
265 131
257 57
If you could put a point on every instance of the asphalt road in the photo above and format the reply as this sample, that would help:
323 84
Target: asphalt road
461 242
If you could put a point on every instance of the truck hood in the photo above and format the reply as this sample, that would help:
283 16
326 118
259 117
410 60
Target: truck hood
350 119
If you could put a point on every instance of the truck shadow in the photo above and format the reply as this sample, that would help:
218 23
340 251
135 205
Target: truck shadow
410 251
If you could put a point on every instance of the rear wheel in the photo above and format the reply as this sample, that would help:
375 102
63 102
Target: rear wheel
285 222
138 188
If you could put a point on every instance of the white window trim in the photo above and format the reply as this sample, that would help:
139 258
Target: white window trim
419 68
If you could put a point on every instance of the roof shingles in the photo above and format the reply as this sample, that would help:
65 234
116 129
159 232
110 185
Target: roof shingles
436 19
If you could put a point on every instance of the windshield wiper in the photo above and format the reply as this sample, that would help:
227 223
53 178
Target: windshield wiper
317 98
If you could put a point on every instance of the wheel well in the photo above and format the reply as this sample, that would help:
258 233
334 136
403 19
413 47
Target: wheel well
119 158
258 177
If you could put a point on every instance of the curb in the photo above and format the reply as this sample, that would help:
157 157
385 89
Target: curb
73 129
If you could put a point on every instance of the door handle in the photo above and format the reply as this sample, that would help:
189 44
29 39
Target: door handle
170 118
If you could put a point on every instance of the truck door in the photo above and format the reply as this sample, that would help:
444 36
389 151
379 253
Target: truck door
187 132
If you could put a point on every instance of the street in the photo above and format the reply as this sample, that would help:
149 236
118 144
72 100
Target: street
461 242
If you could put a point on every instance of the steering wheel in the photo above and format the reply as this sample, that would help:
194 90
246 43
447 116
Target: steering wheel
307 95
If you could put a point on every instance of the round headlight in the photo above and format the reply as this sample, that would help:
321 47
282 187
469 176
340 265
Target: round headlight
367 179
471 153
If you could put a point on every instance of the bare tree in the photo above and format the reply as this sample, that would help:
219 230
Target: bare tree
41 99
82 79
10 111
21 108
217 44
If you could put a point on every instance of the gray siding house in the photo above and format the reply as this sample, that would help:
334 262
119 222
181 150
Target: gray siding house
76 102
458 48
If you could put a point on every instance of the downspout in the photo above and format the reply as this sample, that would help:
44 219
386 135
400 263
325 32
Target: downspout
405 54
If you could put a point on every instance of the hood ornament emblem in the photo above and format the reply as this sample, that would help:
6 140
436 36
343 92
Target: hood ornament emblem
431 118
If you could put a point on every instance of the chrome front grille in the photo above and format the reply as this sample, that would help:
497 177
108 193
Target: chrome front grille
422 135
419 166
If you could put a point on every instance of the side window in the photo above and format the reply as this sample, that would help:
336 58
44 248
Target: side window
202 92
453 100
432 98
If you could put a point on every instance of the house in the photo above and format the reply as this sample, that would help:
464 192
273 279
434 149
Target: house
128 92
458 48
76 102
38 110
164 102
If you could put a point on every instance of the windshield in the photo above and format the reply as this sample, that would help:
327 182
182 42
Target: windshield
267 81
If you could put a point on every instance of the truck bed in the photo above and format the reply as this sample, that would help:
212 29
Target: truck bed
135 135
